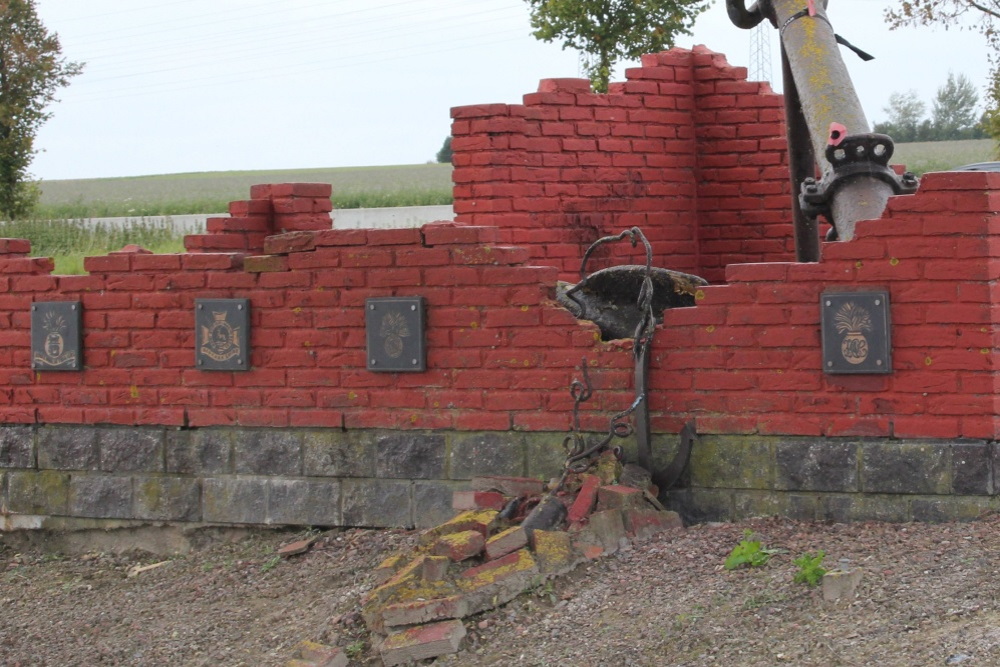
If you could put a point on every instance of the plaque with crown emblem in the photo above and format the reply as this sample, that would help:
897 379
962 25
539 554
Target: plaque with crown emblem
395 334
222 334
856 332
55 336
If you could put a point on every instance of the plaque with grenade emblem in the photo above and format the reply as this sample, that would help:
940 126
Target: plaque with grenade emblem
856 332
394 328
55 336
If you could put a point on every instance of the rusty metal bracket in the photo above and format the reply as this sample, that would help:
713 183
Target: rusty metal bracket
858 155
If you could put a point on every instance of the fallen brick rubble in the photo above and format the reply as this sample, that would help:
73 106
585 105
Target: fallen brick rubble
484 557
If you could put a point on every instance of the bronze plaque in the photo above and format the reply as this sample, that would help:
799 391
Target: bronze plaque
222 334
856 332
395 334
55 336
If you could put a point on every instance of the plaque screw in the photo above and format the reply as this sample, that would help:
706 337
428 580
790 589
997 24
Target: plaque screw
374 362
878 362
371 306
413 307
878 301
414 362
34 307
828 303
829 363
239 306
200 306
201 361
73 307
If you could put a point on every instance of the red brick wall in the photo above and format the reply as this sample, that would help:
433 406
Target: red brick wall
685 148
747 358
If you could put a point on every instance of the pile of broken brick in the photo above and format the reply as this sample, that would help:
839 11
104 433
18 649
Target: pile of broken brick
489 553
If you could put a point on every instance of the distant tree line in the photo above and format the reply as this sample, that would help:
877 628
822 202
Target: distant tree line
953 114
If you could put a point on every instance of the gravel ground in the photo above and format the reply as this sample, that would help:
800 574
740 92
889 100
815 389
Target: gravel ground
928 597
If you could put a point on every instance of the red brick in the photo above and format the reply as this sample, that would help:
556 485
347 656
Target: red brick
424 611
585 501
422 642
15 246
506 542
459 546
619 497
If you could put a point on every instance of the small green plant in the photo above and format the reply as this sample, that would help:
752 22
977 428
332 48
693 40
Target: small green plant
271 563
355 649
763 600
811 568
749 552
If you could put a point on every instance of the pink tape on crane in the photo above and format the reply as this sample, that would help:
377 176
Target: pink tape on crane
811 5
837 134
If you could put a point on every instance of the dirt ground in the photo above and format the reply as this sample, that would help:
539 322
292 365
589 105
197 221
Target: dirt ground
928 596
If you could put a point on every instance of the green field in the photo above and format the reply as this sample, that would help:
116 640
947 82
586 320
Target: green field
211 192
924 156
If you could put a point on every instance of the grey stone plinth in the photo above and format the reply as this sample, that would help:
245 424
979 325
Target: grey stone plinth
971 468
17 447
68 448
131 449
733 462
405 455
268 452
816 466
166 498
377 503
545 454
906 467
234 500
432 502
304 502
479 454
200 452
41 492
100 496
332 453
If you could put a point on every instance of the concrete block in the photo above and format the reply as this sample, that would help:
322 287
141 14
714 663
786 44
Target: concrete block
906 467
971 470
435 568
478 500
199 452
424 611
605 529
617 497
38 492
234 500
474 454
840 585
732 462
553 551
17 447
432 502
459 546
302 502
506 542
268 452
379 503
100 496
405 455
422 642
509 486
331 453
131 449
68 448
482 522
163 498
825 465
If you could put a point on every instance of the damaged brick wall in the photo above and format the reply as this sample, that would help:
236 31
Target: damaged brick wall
686 149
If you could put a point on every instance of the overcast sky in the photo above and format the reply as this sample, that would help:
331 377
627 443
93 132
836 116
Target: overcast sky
204 85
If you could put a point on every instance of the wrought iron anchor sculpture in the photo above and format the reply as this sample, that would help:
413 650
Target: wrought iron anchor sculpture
625 302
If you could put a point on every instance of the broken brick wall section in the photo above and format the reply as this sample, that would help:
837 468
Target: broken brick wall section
686 149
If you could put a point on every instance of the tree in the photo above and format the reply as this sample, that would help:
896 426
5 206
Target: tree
444 155
982 16
905 111
611 30
954 115
32 69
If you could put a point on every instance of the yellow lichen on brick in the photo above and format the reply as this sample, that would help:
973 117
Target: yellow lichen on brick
523 562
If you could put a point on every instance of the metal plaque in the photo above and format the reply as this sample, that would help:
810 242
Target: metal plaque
222 334
856 332
395 334
55 336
